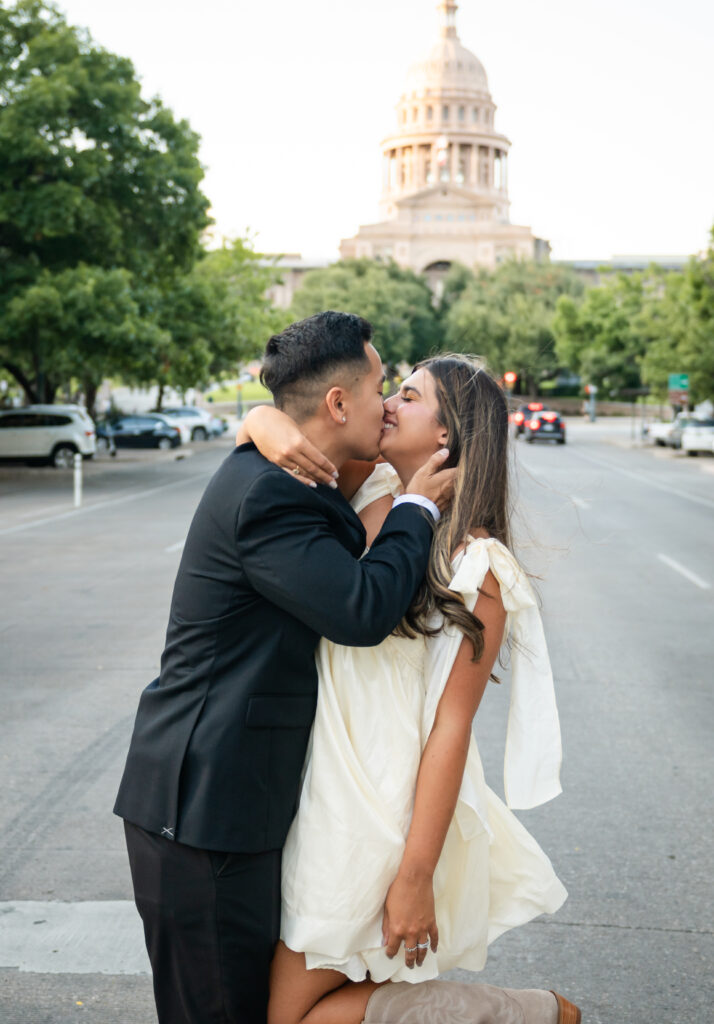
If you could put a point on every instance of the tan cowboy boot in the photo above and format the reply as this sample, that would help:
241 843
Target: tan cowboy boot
453 1002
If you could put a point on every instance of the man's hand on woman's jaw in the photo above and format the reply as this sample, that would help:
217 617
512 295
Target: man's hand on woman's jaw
433 482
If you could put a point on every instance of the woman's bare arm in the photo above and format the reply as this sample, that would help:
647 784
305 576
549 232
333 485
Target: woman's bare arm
409 908
278 437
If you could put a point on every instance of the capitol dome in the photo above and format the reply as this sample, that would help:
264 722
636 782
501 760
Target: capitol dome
444 170
449 65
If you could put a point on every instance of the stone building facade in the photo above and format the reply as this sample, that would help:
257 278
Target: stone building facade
445 171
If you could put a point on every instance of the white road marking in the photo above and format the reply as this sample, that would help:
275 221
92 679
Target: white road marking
112 503
175 547
687 573
645 480
72 938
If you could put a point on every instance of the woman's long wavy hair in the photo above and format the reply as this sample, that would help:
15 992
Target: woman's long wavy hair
473 409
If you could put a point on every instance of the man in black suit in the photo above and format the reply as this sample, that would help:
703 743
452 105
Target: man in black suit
269 566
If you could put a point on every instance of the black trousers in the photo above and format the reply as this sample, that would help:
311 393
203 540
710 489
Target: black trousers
211 922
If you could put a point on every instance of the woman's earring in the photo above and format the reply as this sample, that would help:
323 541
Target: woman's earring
344 419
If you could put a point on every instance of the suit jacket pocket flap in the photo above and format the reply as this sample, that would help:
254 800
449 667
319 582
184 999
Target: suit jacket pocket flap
280 711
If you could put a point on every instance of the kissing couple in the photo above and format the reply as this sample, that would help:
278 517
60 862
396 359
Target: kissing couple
310 835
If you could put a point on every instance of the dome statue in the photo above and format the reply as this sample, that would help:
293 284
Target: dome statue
445 176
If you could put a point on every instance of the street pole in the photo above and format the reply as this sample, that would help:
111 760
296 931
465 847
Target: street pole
77 480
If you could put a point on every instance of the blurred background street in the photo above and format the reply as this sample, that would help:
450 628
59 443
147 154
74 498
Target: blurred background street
622 539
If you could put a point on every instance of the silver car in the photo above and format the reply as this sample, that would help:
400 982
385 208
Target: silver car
198 423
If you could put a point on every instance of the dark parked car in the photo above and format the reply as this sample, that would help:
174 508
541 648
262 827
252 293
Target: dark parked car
544 426
524 412
145 431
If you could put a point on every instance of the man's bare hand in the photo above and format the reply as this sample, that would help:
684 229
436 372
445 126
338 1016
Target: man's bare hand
433 482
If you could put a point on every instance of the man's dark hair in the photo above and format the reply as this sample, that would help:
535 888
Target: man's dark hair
300 363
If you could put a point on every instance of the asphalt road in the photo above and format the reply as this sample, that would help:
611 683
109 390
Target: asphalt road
622 541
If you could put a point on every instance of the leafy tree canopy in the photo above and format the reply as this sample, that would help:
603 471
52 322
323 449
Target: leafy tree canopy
216 316
635 330
601 337
506 315
93 180
678 322
397 302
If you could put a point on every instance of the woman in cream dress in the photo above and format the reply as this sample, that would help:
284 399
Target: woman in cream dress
397 838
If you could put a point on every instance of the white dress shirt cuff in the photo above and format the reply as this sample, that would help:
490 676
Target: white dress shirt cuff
419 499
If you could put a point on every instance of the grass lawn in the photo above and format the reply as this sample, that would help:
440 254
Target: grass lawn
252 391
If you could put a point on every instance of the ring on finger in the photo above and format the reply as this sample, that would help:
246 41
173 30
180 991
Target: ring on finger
296 470
411 949
422 945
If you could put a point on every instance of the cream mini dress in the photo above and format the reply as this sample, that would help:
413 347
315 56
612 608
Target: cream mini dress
375 710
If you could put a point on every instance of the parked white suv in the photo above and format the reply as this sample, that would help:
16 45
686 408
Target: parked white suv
50 433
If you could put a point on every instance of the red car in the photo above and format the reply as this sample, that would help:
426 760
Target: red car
523 413
544 426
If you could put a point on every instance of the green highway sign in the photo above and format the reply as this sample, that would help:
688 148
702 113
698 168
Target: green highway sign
679 382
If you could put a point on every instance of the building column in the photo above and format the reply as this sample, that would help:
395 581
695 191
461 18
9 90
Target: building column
454 162
428 159
473 165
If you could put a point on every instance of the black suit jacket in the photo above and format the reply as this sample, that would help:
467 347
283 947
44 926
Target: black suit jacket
269 566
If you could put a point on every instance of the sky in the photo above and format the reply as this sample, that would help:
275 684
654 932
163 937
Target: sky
609 107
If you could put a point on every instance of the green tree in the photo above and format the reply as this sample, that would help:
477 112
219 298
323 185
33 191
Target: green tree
397 302
75 323
90 174
678 321
604 337
215 317
506 315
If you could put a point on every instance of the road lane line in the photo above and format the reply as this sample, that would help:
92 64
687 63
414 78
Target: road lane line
175 547
112 503
706 502
687 573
